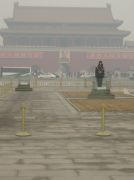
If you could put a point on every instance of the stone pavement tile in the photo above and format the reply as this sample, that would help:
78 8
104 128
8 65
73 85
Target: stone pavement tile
22 148
7 172
9 152
7 160
45 151
81 156
82 178
52 130
47 161
128 177
47 173
46 145
17 178
121 166
85 173
74 167
78 147
14 144
121 151
22 167
39 143
97 161
58 156
84 151
20 156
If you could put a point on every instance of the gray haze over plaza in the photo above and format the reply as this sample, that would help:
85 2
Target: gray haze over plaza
70 26
52 124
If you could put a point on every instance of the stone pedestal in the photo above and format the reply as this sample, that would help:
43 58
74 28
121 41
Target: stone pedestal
101 92
23 85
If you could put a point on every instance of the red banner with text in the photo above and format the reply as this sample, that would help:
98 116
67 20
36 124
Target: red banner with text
110 56
21 54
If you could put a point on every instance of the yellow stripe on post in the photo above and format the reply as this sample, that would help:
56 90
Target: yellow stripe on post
103 131
23 131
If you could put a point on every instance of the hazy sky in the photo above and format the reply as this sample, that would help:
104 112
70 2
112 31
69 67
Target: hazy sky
122 9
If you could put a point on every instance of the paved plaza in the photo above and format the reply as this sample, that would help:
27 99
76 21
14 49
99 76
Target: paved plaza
63 144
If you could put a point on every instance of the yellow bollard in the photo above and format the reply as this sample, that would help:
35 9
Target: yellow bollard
11 86
35 83
6 86
23 131
85 82
0 91
3 89
61 82
103 131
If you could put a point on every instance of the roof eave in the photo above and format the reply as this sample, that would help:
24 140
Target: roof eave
12 20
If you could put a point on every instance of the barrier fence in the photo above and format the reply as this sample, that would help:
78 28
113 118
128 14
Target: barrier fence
60 83
23 132
85 83
6 87
115 83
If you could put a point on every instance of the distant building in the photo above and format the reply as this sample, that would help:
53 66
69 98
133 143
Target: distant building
37 35
63 27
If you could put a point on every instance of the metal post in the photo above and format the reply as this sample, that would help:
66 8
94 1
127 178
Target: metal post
0 91
61 80
4 88
23 117
11 85
85 82
23 131
103 131
36 82
103 119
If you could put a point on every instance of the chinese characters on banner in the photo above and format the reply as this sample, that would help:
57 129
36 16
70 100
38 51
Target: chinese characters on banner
110 55
67 54
21 54
64 54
